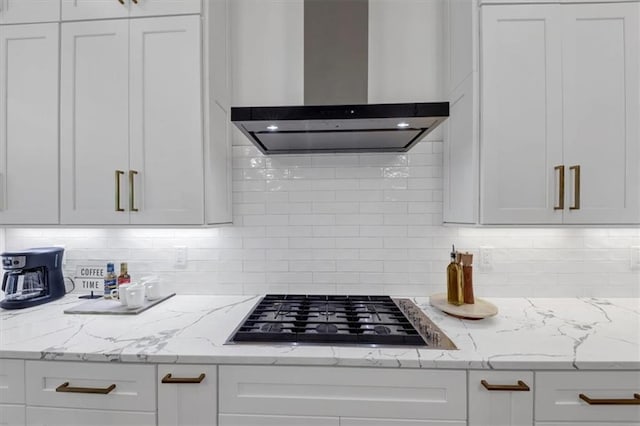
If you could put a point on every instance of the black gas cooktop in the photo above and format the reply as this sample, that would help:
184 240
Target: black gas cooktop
350 320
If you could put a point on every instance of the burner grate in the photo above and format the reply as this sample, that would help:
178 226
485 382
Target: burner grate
359 320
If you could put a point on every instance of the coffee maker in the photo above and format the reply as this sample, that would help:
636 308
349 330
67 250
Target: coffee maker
32 277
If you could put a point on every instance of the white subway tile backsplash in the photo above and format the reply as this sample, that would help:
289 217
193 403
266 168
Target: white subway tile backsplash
352 224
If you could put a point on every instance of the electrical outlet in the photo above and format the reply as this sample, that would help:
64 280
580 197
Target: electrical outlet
180 255
486 258
635 258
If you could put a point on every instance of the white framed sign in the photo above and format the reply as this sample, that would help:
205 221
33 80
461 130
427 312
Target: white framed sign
90 278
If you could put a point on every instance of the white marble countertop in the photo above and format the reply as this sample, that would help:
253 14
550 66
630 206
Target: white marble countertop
526 334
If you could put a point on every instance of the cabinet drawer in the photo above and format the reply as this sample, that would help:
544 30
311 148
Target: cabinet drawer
134 385
11 381
41 416
248 420
348 392
557 396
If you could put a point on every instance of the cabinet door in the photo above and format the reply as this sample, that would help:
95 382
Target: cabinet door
94 122
164 7
29 124
12 387
94 9
248 420
601 86
12 415
29 11
521 131
187 403
166 121
40 416
557 396
498 407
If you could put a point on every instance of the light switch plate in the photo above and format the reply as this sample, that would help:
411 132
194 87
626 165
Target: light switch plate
486 258
180 256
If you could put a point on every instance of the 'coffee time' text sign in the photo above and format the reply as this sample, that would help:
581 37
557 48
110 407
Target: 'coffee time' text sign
90 278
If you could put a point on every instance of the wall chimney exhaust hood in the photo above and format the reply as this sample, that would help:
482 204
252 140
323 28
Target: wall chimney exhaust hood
336 116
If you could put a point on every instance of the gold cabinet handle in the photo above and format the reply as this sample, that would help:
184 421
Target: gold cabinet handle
612 401
66 388
118 173
521 386
169 379
560 205
576 188
132 197
121 2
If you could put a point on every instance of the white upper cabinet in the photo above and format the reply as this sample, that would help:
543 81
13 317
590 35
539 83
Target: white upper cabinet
601 111
165 122
131 122
521 107
29 124
557 139
101 9
29 11
94 122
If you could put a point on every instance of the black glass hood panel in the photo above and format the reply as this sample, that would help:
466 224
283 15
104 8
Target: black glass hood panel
339 128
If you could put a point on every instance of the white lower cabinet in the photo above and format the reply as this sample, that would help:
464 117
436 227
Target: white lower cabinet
354 395
187 395
399 422
498 398
12 408
12 415
264 420
82 393
45 416
587 398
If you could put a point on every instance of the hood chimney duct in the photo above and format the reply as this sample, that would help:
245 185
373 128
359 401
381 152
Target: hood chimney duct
336 52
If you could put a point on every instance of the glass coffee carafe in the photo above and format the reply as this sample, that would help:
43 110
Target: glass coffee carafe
25 284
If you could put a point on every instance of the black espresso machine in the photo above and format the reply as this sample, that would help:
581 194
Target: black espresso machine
32 277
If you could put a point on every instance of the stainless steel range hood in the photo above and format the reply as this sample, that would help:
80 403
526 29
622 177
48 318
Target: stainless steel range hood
336 116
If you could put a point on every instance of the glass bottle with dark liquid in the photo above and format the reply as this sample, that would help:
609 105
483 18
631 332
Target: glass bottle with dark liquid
455 280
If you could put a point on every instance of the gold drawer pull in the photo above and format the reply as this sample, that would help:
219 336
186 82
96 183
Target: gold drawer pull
66 388
560 205
521 386
612 401
169 379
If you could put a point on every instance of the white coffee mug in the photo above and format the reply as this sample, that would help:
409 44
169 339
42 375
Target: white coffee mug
120 293
135 296
154 289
